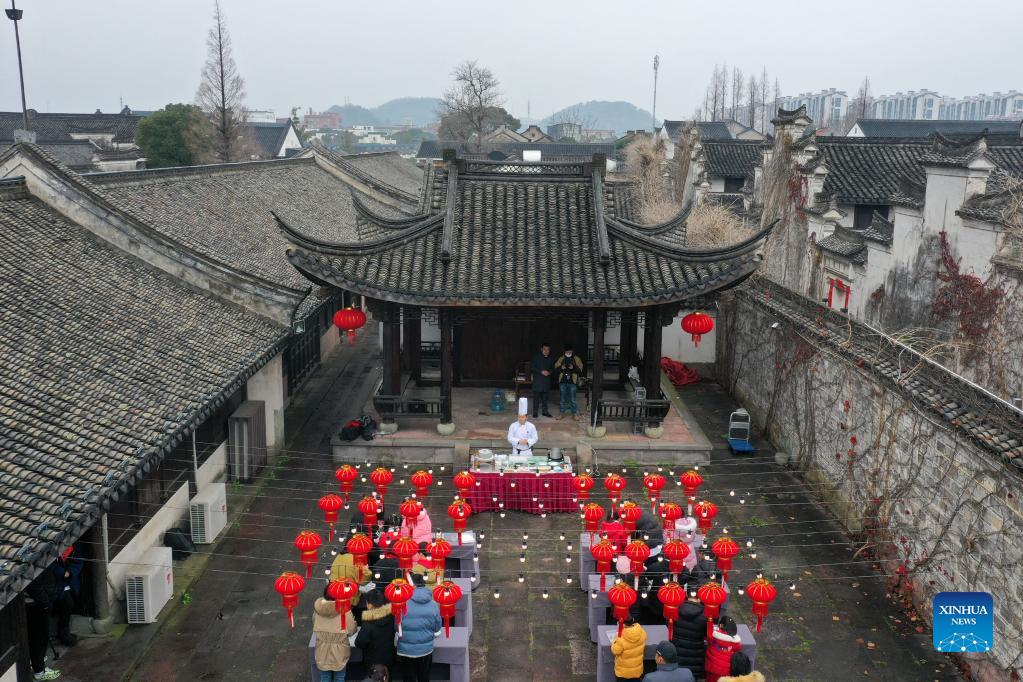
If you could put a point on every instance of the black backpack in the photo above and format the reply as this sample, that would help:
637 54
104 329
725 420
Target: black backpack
180 543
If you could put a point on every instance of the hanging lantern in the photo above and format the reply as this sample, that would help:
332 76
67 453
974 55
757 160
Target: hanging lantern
308 543
348 320
705 512
593 514
409 510
422 480
603 553
697 324
762 592
725 549
675 551
346 475
398 592
630 513
459 511
691 482
638 552
381 478
330 504
672 596
447 595
464 483
369 508
289 584
614 484
670 512
359 546
583 484
405 548
621 597
342 592
653 483
439 551
712 596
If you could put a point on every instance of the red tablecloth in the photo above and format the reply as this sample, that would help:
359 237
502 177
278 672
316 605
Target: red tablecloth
554 491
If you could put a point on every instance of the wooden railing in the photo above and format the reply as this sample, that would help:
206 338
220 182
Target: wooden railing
612 354
632 410
391 407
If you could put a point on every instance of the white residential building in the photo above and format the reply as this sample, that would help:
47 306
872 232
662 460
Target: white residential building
922 105
826 107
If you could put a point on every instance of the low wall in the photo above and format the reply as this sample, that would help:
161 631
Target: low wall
213 469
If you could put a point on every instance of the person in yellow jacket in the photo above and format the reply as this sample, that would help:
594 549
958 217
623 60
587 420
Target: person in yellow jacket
344 567
628 651
333 647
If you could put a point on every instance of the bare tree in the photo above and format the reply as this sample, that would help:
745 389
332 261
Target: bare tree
737 93
753 94
220 94
475 94
864 96
763 100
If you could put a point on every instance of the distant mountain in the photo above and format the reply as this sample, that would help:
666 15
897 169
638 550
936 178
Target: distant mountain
601 114
419 110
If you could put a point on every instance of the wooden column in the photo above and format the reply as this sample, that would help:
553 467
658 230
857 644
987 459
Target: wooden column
392 350
626 347
412 337
597 388
446 337
651 373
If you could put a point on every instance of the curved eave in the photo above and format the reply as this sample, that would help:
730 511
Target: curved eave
640 240
372 216
662 227
382 243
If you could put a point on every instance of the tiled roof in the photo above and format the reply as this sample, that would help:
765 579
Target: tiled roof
673 129
269 137
732 158
76 154
991 206
847 243
385 171
434 149
880 230
879 127
863 170
713 130
107 365
60 127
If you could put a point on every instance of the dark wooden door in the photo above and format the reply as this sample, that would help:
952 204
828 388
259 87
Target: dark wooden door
489 348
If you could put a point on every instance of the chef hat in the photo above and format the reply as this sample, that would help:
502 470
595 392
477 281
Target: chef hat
523 406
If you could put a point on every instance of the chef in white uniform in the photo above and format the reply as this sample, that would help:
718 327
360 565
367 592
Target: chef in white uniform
522 435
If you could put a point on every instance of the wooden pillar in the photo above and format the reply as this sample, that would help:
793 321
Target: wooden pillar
626 347
597 388
446 320
392 350
651 373
412 338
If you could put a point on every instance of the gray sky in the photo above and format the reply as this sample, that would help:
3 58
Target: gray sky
81 55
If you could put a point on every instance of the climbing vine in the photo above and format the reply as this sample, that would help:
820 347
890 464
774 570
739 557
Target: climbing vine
964 299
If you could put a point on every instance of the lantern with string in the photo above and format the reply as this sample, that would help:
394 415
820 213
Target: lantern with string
691 482
349 320
593 514
705 511
359 546
440 550
638 552
398 592
346 475
369 508
459 511
672 596
342 592
409 510
421 481
447 595
675 551
762 592
603 553
405 548
464 483
621 597
330 504
614 484
289 584
630 513
697 324
712 596
670 512
725 550
583 484
381 478
654 482
308 544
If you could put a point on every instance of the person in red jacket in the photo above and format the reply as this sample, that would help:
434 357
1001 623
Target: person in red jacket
723 643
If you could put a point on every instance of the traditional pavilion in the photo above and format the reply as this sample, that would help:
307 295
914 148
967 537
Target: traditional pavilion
509 254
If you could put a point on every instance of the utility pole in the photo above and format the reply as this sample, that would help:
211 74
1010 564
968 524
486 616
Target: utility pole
15 14
657 64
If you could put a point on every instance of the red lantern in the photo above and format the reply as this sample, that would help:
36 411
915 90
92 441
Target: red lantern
630 513
342 592
697 324
603 553
583 484
308 543
289 584
705 512
691 482
725 549
422 480
614 484
398 592
369 508
672 596
670 513
447 595
439 551
712 596
348 320
459 511
464 482
593 514
405 548
330 504
653 483
346 475
410 510
381 478
359 546
638 553
621 597
675 551
762 592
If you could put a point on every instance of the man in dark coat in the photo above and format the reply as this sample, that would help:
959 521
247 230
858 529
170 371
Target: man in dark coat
690 631
376 637
542 369
67 571
38 604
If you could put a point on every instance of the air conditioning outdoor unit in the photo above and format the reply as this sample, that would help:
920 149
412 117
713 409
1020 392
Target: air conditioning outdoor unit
208 513
149 585
246 441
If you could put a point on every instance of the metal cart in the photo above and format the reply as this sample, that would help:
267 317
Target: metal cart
739 424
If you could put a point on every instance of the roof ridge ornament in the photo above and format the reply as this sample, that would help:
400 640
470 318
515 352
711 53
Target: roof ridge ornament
449 209
598 214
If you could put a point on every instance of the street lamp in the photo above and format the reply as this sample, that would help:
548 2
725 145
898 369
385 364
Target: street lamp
15 14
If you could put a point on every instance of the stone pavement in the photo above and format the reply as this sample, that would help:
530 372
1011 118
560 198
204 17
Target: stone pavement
837 624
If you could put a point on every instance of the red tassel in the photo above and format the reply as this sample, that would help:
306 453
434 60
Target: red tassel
759 621
621 624
343 622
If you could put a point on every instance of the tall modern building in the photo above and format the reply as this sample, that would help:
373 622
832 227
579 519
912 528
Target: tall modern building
826 107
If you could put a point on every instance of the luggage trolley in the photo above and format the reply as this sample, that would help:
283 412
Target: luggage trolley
739 424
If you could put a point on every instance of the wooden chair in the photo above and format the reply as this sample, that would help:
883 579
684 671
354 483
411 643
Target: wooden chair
523 379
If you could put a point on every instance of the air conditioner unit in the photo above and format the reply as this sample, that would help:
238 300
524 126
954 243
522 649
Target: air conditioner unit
148 586
246 441
207 512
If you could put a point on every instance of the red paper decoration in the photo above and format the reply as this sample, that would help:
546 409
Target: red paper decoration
614 484
653 483
398 592
342 592
405 548
459 511
439 551
592 515
603 553
447 595
691 482
762 592
697 324
422 480
725 549
369 508
346 475
672 596
675 551
381 478
583 484
705 512
464 483
289 584
308 543
410 509
670 512
359 546
630 513
712 596
621 597
638 552
348 320
330 504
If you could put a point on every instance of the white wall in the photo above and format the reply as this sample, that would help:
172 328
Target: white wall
268 385
10 675
213 469
330 340
678 345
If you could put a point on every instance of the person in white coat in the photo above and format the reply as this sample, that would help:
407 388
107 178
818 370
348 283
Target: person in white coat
522 435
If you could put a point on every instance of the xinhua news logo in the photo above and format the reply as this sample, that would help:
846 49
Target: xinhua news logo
963 622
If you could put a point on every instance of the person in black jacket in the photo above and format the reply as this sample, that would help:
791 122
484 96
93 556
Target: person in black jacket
542 369
376 637
38 603
689 636
67 571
